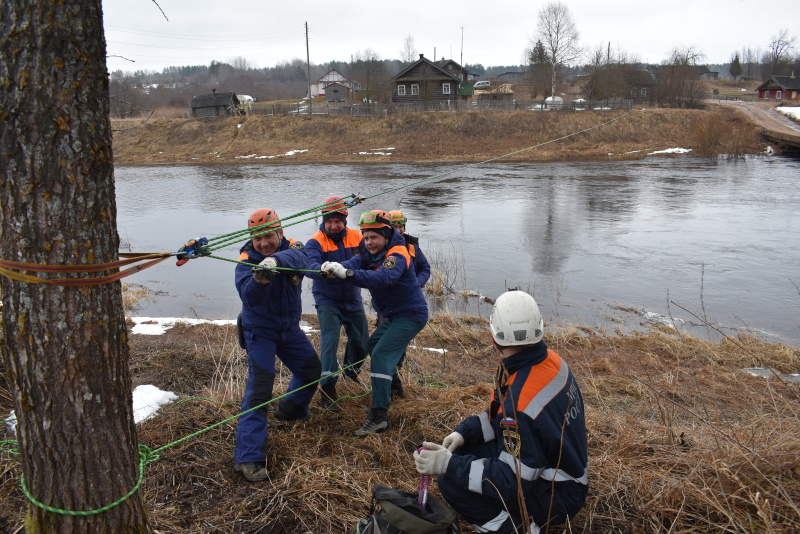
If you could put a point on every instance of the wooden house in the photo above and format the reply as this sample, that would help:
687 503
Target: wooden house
336 92
451 67
215 105
425 81
779 88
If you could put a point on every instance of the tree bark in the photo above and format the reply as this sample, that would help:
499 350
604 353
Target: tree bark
65 348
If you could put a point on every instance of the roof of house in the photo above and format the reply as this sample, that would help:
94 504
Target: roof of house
213 99
787 83
423 60
333 75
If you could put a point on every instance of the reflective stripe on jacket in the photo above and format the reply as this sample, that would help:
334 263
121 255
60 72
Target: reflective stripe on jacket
543 398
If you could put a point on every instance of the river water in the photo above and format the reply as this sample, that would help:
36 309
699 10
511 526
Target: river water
612 245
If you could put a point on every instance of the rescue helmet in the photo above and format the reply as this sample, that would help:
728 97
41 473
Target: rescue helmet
339 207
374 220
396 218
516 319
260 218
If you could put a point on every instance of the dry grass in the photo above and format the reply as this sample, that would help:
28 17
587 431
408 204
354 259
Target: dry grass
680 440
464 136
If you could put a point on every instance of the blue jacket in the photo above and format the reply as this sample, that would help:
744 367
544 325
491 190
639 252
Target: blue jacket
324 246
277 305
390 279
422 269
541 395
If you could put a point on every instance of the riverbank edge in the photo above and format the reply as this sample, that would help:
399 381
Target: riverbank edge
441 138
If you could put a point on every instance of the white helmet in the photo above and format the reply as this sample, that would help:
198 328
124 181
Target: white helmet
516 320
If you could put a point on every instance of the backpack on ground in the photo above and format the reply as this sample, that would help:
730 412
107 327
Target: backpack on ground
399 512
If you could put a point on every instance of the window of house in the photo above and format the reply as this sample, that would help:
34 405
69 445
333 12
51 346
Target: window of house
644 91
778 94
424 71
401 90
414 88
446 88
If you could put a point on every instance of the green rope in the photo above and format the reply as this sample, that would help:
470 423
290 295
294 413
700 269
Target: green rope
145 457
273 268
235 237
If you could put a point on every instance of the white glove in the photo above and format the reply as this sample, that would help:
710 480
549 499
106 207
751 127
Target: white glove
264 276
326 267
453 441
433 461
334 268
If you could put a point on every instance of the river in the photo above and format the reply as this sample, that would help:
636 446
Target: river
704 244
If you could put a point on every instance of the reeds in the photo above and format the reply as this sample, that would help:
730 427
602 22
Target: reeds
680 440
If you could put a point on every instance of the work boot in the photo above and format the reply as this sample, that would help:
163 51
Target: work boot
328 397
377 422
352 375
397 387
289 411
252 471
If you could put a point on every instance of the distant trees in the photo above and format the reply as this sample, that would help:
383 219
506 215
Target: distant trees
613 74
559 36
779 55
372 76
736 67
679 84
409 52
538 70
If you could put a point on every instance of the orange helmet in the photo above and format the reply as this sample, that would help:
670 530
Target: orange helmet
260 218
340 207
372 220
396 218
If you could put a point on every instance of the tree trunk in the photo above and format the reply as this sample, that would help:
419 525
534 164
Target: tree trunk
65 348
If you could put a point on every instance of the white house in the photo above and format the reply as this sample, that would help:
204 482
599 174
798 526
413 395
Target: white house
332 76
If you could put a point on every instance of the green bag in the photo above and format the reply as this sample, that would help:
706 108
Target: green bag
399 512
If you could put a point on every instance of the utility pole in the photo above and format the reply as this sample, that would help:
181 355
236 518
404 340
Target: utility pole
308 69
461 59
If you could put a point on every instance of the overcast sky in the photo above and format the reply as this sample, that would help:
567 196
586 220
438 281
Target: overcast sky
267 33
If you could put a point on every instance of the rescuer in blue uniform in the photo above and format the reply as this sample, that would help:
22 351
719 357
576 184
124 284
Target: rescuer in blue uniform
270 321
522 465
383 266
338 303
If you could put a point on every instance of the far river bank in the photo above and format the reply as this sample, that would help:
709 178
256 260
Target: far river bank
520 136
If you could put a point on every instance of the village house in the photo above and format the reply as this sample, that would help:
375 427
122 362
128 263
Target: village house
215 105
332 76
779 88
425 81
336 92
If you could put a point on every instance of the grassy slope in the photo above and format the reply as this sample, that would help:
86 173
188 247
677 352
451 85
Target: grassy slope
680 440
467 136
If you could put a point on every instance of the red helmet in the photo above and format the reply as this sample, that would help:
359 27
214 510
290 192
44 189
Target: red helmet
340 207
260 218
372 220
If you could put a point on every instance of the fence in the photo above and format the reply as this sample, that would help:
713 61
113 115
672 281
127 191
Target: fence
443 106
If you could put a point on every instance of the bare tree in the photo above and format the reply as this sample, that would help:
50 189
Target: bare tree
679 84
370 73
240 63
409 51
64 347
556 29
780 50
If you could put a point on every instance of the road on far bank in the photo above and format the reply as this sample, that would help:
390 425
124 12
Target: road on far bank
775 124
